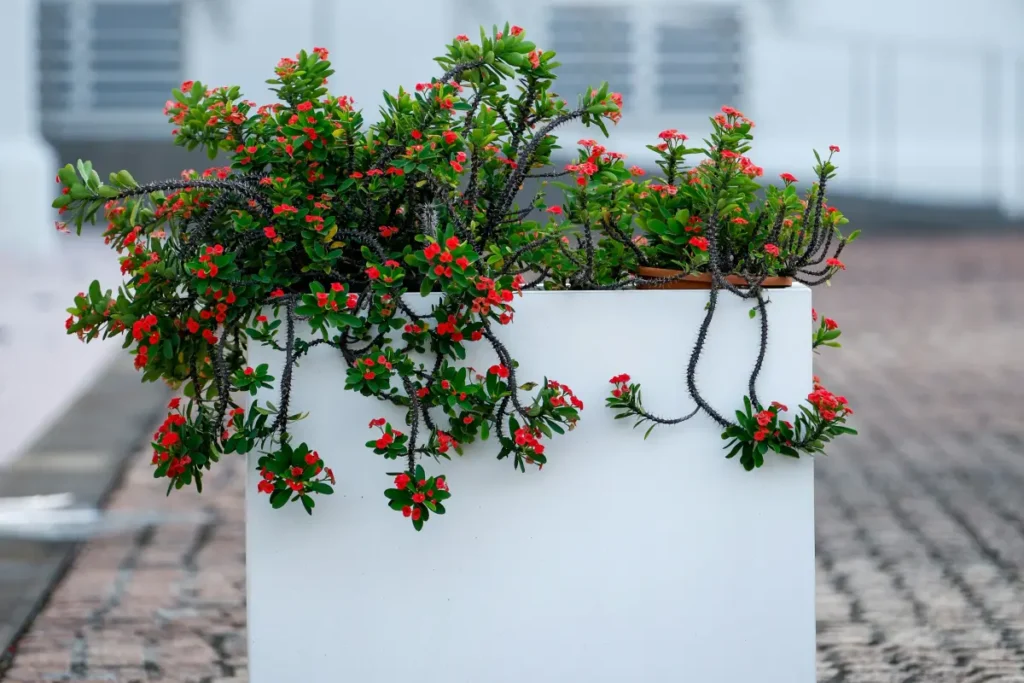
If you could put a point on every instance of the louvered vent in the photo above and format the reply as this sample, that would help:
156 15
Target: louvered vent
108 66
699 59
593 44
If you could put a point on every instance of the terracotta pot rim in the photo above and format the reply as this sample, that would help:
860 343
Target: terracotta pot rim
702 280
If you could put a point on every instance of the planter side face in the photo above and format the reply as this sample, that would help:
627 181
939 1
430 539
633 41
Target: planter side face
622 560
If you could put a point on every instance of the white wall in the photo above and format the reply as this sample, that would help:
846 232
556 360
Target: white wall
924 97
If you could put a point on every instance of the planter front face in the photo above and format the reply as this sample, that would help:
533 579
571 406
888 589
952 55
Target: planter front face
623 560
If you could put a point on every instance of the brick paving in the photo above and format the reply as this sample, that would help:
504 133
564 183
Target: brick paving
920 527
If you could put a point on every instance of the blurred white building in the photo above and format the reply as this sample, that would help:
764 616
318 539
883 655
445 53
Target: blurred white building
925 97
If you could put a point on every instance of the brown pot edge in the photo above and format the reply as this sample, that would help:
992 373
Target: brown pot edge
702 280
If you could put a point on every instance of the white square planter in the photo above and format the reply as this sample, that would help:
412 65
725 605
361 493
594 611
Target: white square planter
623 560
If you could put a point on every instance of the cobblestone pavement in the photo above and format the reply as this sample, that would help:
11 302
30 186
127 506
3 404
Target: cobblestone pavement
920 522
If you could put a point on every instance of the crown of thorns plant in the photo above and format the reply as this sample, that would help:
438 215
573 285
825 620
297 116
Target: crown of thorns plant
325 221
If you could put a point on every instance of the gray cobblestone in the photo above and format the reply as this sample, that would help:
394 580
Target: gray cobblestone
920 522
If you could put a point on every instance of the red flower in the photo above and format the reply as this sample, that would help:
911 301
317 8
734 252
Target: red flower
248 371
499 370
835 263
787 178
372 272
418 497
462 262
401 481
814 315
416 135
277 293
831 324
368 375
449 137
780 406
416 514
265 486
771 249
764 418
193 325
377 422
352 301
456 165
406 511
833 148
270 232
431 251
461 38
467 420
699 242
337 287
304 106
556 210
311 458
760 434
452 242
321 299
515 30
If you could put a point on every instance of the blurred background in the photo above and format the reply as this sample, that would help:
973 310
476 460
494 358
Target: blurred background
920 523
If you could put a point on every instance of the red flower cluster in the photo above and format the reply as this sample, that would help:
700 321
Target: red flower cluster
493 298
416 498
529 440
445 442
211 268
828 405
167 443
766 422
672 134
621 383
562 395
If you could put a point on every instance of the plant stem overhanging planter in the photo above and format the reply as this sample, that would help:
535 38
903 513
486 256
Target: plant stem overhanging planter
701 280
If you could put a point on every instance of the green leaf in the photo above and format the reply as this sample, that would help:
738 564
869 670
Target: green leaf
279 498
308 503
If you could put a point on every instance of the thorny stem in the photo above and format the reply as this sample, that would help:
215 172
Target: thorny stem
286 376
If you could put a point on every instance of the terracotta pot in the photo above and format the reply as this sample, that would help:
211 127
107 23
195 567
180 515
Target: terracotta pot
702 280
